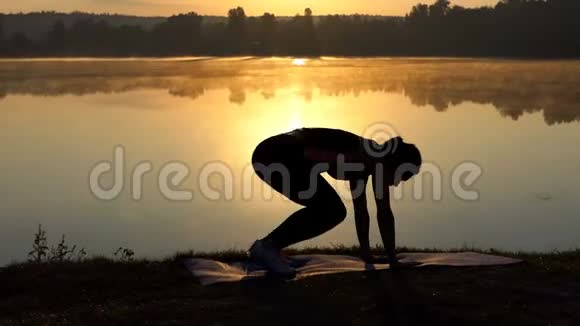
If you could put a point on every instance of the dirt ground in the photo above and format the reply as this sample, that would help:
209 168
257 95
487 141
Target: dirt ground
103 292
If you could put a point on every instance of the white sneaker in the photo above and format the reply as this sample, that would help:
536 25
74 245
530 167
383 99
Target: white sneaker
265 253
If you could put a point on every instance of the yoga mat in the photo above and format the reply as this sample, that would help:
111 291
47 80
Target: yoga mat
211 271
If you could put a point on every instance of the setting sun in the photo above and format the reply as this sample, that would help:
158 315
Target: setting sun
299 62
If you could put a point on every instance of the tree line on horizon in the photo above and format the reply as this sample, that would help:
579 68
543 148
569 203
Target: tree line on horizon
527 28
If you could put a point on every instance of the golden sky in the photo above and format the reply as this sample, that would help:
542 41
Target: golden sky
220 7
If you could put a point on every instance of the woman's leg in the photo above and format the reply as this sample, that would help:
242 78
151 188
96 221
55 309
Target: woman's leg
322 212
279 163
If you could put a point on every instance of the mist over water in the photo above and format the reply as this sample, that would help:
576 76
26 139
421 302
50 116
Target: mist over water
518 120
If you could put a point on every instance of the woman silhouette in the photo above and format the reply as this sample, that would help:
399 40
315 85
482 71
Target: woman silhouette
291 163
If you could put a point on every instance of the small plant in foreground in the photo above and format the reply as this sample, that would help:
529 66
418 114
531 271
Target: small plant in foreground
40 248
124 254
82 254
62 252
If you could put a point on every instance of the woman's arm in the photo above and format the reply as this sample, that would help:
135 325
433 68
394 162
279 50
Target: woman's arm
361 216
385 217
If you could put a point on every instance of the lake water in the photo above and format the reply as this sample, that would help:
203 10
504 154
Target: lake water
517 121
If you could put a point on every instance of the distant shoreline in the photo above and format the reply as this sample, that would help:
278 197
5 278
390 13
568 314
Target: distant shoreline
524 28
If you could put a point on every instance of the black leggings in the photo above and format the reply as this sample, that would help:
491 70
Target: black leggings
279 161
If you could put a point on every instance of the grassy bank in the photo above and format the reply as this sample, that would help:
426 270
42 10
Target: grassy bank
544 290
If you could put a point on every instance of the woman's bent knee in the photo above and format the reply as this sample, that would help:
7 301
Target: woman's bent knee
339 212
332 211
